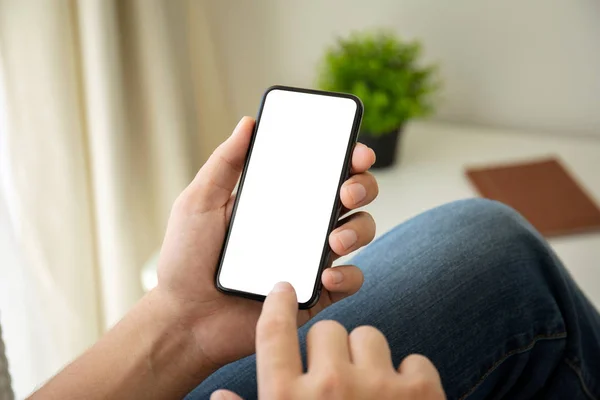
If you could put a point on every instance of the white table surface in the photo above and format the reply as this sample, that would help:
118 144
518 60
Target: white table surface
431 172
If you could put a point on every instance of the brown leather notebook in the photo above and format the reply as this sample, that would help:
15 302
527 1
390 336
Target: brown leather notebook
543 192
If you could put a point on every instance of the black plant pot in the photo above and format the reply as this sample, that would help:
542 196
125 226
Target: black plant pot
385 147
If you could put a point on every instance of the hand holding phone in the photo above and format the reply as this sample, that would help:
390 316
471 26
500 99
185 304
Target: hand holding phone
222 326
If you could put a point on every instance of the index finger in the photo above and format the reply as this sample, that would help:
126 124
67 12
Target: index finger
277 348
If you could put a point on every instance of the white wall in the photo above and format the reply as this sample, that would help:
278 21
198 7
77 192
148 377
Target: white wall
529 64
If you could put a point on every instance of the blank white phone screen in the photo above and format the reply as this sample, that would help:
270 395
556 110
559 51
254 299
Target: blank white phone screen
289 192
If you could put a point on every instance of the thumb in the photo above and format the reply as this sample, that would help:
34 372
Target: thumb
217 178
223 394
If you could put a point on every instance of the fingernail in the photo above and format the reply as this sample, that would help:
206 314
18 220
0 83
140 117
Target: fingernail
347 238
217 396
374 155
357 192
336 276
282 287
239 124
361 145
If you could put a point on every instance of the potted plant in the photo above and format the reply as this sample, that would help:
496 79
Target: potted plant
385 73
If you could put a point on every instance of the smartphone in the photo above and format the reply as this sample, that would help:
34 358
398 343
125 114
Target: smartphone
288 196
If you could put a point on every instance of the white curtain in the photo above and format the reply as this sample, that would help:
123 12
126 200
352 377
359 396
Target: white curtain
111 107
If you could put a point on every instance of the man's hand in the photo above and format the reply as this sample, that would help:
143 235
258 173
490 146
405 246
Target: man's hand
223 326
185 329
340 366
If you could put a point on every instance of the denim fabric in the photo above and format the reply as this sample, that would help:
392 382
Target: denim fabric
474 287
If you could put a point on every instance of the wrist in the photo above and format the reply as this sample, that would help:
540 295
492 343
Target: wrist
149 354
173 354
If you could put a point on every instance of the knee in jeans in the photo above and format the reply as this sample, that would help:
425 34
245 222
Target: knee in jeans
458 237
479 217
491 235
467 249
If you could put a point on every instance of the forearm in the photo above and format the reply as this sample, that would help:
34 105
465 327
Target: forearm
149 354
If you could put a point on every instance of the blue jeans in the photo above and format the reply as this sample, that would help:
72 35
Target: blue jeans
474 287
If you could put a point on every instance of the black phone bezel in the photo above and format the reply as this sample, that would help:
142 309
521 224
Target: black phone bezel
335 212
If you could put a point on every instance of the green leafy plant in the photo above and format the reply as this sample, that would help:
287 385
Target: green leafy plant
385 73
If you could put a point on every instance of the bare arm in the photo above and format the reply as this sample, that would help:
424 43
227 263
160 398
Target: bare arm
150 354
